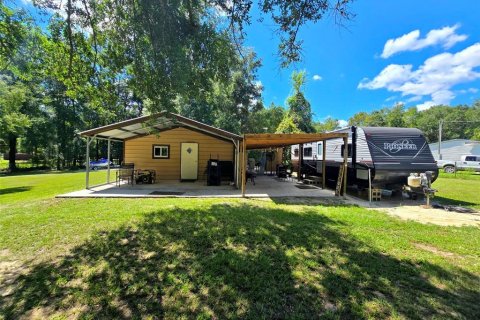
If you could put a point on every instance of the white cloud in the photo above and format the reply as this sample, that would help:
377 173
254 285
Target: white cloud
317 77
391 98
436 77
392 77
342 123
414 99
446 37
469 90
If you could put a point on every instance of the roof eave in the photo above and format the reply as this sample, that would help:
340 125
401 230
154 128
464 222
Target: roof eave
171 116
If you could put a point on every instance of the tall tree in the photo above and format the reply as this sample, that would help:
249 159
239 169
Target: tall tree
299 108
162 49
266 119
231 104
14 114
361 118
394 116
287 125
328 124
12 32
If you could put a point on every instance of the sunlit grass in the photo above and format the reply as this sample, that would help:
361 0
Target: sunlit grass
35 186
224 258
464 189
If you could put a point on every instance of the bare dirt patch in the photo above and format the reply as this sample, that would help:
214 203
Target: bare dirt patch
434 216
9 271
436 251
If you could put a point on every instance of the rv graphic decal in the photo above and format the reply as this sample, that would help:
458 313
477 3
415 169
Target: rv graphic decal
398 145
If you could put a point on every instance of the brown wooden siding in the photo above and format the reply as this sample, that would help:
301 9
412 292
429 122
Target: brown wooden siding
139 152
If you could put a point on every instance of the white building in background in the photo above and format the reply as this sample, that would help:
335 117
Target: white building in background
454 149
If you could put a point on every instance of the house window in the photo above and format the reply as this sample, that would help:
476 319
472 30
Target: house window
307 152
295 152
160 151
349 150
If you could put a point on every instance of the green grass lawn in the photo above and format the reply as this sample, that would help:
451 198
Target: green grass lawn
34 186
19 163
224 258
460 189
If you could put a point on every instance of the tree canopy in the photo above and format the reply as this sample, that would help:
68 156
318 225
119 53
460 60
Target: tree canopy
460 122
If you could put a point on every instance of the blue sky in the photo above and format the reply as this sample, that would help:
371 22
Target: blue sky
445 64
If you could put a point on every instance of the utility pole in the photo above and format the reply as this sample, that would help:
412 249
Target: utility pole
440 125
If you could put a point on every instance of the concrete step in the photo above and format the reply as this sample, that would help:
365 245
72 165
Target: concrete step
311 181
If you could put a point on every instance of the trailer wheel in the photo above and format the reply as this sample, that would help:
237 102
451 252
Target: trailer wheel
449 169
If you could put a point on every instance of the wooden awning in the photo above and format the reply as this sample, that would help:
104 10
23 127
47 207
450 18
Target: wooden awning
278 140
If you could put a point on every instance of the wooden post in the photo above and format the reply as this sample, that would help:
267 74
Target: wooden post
108 159
244 166
369 186
300 161
237 165
324 151
87 164
345 163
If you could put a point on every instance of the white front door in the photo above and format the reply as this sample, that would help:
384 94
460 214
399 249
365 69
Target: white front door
189 161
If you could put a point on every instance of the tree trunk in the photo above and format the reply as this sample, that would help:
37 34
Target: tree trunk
12 141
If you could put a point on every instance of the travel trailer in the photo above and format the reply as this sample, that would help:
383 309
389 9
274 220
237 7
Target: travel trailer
387 155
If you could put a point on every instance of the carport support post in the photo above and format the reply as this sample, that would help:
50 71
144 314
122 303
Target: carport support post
324 151
87 163
300 161
244 165
345 164
108 159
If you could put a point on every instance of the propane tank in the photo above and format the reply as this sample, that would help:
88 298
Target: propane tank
414 180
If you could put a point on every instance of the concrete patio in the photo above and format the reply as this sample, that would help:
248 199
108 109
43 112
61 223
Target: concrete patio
265 187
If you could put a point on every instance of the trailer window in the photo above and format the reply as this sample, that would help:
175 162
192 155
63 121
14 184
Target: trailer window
307 152
349 150
319 150
295 152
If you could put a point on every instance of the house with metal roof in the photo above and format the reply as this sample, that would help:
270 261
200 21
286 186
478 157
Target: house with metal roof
177 148
454 149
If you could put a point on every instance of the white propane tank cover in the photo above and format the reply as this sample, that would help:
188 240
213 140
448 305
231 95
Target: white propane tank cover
414 181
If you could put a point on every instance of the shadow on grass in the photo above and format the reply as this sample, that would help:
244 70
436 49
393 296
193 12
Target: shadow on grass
444 200
239 261
311 201
15 190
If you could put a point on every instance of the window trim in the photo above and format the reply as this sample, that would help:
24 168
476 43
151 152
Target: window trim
160 145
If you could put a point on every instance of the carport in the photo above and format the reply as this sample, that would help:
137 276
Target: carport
282 140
